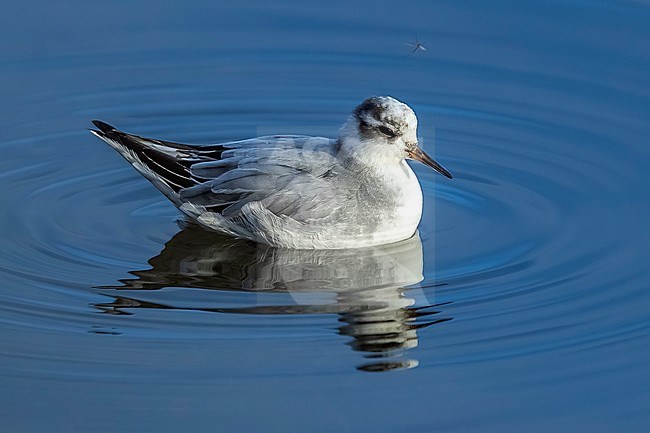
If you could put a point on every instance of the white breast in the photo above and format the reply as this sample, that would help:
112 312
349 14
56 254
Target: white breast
403 221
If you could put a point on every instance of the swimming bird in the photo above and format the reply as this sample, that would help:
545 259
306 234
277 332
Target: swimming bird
295 191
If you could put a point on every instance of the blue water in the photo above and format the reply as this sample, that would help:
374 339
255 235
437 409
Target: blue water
522 304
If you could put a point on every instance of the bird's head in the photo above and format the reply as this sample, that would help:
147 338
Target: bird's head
387 129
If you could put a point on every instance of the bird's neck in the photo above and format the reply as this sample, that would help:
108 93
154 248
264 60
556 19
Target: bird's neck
364 155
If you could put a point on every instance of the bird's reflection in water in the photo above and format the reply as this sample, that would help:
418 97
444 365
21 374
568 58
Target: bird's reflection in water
364 287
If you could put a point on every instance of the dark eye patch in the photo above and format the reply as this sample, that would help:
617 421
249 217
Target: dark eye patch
386 131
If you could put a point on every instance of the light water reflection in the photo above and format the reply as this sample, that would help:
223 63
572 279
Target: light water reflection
541 108
364 287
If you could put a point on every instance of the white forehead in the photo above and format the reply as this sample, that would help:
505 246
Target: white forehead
395 110
386 109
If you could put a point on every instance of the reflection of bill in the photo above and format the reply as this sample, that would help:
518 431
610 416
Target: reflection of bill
364 287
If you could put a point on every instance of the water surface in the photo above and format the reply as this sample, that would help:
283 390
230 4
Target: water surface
520 305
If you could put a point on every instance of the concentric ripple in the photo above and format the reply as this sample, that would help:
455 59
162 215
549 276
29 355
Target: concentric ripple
522 300
523 249
499 248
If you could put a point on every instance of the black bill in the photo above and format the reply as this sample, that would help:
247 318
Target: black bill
417 154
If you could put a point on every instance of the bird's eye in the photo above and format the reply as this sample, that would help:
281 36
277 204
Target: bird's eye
386 131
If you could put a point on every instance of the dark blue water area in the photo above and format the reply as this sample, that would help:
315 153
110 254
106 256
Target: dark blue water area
521 305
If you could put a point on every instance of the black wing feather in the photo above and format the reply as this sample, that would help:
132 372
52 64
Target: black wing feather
173 169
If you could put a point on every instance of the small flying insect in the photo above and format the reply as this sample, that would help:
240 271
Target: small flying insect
417 45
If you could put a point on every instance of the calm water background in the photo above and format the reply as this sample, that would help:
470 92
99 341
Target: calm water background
522 305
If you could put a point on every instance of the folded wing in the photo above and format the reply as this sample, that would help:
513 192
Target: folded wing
288 176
